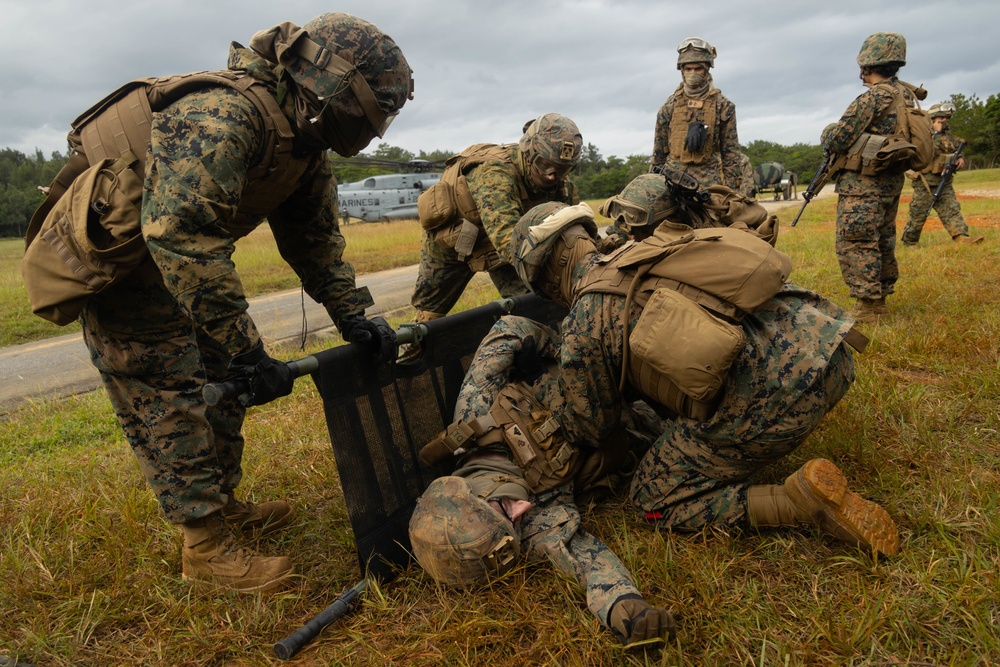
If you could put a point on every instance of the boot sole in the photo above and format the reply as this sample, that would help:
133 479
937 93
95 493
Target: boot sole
270 586
821 487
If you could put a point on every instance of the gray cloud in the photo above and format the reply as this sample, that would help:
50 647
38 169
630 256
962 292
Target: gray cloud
482 69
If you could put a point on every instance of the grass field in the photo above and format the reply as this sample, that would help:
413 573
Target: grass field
91 570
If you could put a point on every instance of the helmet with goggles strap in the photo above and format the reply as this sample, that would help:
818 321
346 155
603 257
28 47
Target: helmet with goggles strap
695 50
552 140
644 202
458 538
941 110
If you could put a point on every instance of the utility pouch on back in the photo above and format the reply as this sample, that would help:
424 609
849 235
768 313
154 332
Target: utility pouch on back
89 240
681 354
436 205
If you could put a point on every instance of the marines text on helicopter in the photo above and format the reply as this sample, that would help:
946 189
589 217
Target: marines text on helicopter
387 196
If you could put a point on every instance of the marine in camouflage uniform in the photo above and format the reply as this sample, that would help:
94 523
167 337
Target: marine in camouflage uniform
547 525
867 205
792 369
926 183
180 320
696 126
532 171
747 187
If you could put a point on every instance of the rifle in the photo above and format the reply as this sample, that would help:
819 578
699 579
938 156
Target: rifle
819 179
949 169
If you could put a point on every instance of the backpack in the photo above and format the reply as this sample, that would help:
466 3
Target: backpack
910 146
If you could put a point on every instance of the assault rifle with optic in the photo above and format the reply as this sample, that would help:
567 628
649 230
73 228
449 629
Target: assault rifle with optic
949 170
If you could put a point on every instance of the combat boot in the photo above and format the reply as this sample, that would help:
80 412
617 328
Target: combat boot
817 494
969 240
208 556
635 620
870 311
258 520
410 352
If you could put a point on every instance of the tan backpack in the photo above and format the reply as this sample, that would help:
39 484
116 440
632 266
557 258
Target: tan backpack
910 146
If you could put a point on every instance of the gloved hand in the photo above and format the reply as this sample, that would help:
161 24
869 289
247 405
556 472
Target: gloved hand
635 620
527 362
267 378
374 334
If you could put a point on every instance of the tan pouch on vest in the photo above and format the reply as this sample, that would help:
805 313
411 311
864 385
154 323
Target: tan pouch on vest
677 342
88 241
436 205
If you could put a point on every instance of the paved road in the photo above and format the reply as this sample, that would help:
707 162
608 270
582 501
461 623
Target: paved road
61 366
58 367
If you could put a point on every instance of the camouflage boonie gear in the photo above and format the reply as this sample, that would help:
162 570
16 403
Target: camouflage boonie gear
883 48
458 538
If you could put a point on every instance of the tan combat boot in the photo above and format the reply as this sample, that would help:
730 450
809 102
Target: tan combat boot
969 240
410 352
635 620
870 311
209 556
258 520
817 494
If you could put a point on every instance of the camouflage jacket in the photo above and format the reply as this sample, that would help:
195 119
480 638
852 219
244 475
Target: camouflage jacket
496 188
863 115
789 340
725 158
201 149
945 145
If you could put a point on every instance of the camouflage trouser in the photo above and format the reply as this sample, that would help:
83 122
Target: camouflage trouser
153 364
920 207
442 277
696 475
551 531
866 244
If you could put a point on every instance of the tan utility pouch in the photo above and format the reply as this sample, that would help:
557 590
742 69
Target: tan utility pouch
436 205
678 350
88 241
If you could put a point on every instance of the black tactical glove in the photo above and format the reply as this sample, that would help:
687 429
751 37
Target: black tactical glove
266 378
527 362
374 334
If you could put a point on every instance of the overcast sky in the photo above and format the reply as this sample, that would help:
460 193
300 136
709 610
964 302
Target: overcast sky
484 67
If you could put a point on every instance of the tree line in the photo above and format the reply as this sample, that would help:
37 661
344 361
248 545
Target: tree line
975 120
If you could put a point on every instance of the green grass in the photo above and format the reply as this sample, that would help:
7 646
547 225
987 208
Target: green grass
91 570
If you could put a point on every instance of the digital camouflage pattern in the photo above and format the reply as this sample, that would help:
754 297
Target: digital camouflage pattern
496 188
723 164
793 369
552 137
947 206
551 530
174 323
867 205
746 181
882 48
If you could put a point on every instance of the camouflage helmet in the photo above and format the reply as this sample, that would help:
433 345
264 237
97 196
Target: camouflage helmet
327 55
535 236
695 50
458 538
554 138
644 202
883 48
941 110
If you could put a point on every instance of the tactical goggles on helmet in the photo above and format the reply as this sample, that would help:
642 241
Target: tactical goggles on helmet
549 168
348 75
693 43
629 214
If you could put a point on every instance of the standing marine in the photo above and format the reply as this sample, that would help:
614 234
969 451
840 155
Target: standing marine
868 198
926 182
741 364
469 214
219 152
696 126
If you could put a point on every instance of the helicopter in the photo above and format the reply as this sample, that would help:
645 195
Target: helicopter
387 196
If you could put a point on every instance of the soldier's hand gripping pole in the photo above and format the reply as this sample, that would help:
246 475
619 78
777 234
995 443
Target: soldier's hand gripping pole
815 185
949 170
342 606
241 387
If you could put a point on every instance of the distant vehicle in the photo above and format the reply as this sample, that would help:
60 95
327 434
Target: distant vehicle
772 177
384 197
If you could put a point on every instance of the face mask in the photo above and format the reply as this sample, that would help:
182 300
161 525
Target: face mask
695 79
